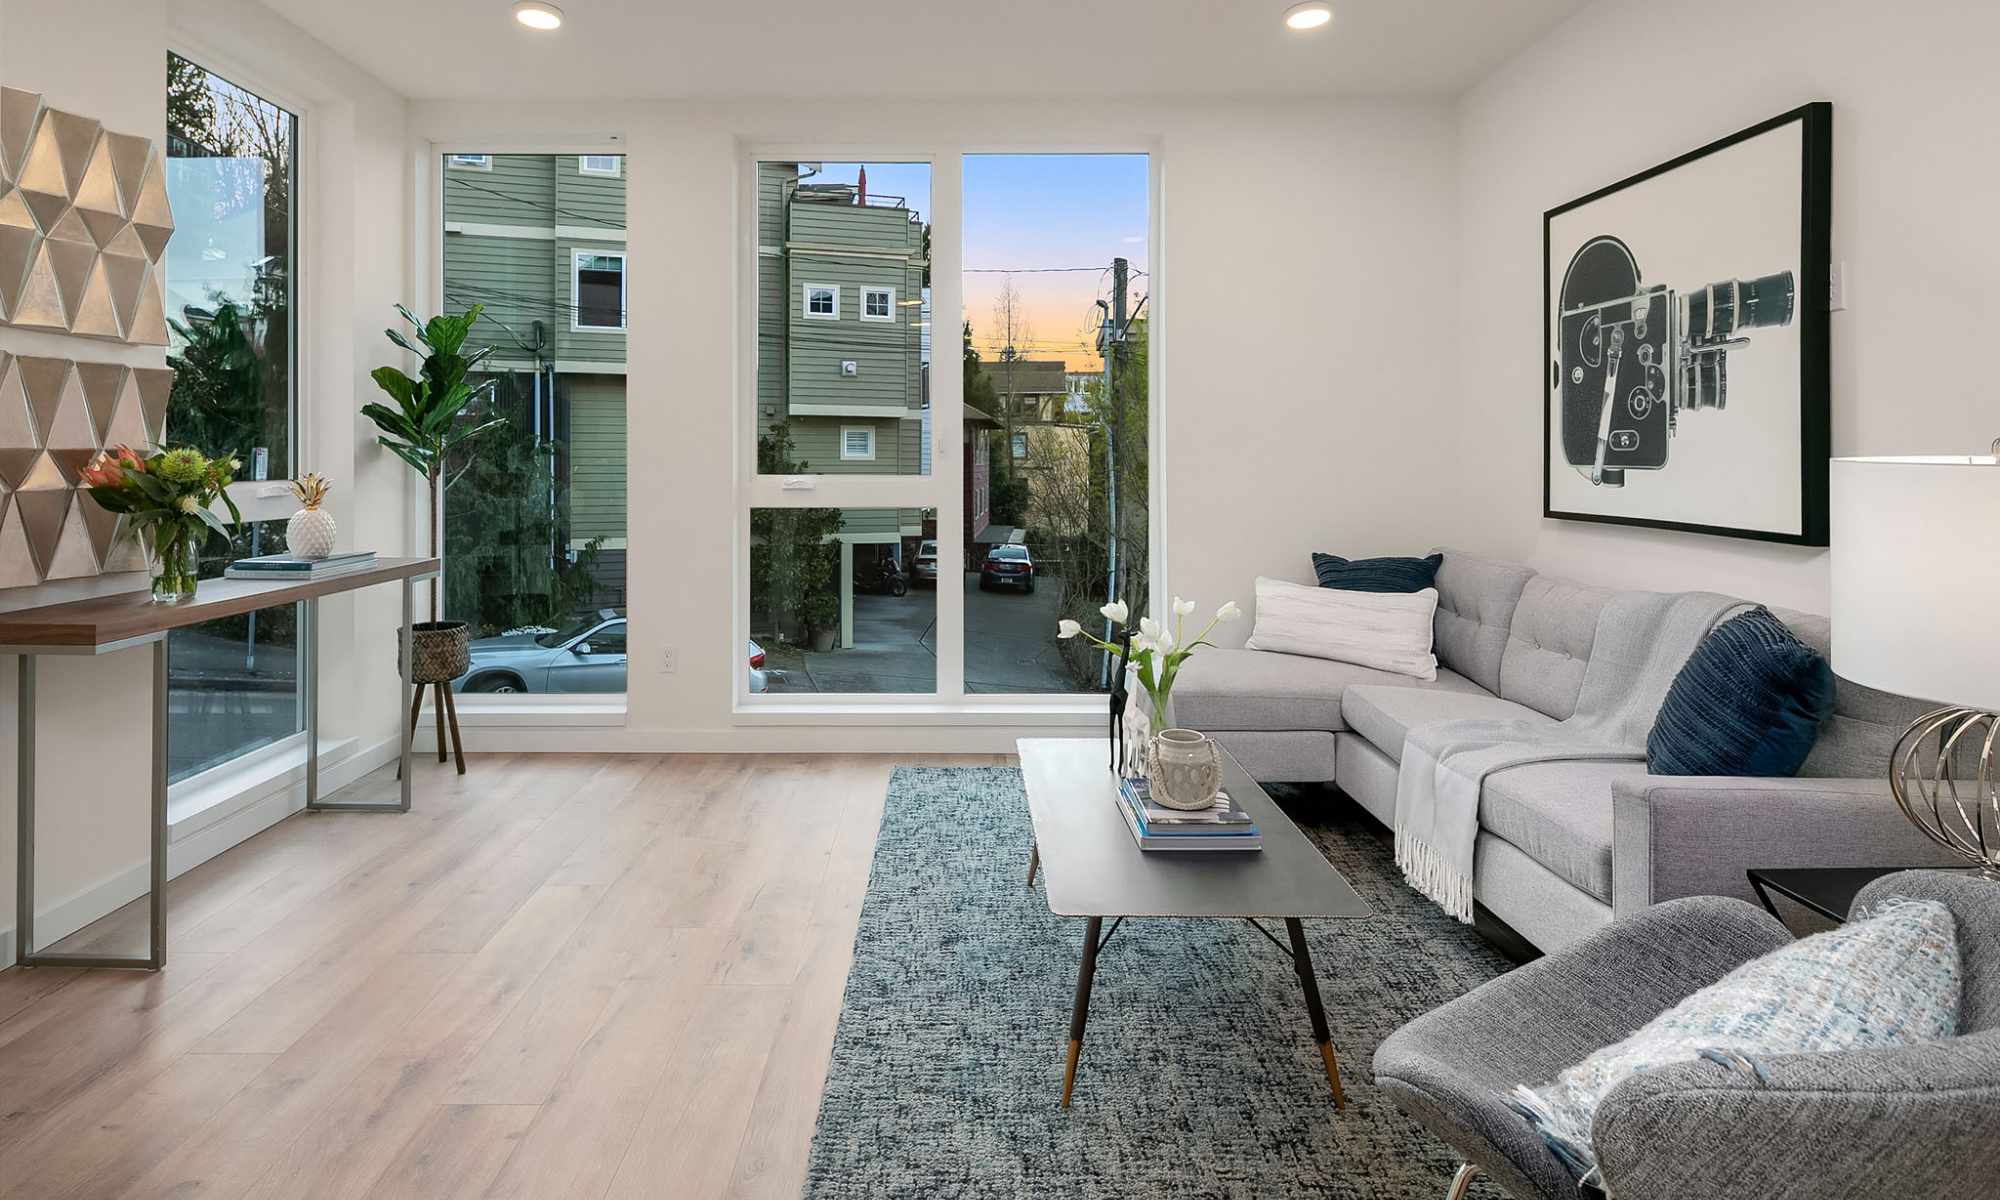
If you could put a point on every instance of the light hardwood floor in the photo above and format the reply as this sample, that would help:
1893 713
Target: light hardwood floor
562 976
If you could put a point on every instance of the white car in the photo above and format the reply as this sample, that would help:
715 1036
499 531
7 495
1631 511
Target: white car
926 565
758 681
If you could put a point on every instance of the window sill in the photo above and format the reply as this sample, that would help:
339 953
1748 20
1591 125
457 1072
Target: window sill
214 796
1084 712
517 711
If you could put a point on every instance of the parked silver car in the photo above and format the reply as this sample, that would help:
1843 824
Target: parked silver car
587 655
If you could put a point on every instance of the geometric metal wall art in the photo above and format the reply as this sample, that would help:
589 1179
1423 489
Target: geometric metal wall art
56 415
84 221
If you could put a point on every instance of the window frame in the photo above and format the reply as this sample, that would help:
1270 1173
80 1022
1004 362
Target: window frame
230 786
806 291
617 170
847 431
950 705
887 318
485 163
576 257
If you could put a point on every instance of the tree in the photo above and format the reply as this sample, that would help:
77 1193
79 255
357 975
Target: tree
794 552
507 568
1010 324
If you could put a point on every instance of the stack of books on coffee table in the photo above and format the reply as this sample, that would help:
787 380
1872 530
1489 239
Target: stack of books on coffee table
1154 826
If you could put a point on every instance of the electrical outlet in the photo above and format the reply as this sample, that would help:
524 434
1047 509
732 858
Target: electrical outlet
668 662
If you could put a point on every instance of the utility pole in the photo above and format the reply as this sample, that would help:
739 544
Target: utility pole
1110 335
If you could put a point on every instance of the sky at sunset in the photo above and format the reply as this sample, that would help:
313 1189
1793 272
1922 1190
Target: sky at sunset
1026 214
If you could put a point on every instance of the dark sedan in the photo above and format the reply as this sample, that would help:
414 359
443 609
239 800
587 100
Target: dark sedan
1009 565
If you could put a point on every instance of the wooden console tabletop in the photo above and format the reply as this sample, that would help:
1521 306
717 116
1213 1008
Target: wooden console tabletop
86 626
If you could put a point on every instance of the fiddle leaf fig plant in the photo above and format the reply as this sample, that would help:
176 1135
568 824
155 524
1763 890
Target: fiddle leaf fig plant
424 426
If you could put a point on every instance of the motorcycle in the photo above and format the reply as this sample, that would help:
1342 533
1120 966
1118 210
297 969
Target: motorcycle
885 578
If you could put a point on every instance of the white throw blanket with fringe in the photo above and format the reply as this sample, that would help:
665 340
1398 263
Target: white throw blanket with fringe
1642 640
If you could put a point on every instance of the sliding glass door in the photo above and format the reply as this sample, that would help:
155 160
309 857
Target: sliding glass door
917 515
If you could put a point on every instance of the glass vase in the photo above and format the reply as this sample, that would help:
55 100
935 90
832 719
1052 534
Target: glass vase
175 548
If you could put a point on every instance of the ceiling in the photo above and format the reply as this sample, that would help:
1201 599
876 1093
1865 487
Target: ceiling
647 49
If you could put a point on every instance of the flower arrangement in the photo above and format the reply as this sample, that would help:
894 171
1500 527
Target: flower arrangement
166 495
1157 651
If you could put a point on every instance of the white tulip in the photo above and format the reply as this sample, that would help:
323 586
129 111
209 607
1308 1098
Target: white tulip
1116 612
1149 627
1141 643
1067 629
1165 642
1182 607
1228 612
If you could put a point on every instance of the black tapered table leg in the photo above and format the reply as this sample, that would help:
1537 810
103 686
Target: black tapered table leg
1303 963
1034 861
1080 1012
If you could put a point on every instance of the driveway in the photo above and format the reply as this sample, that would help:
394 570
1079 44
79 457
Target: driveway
1010 646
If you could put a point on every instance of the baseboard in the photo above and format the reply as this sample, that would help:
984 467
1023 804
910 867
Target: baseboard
815 739
194 840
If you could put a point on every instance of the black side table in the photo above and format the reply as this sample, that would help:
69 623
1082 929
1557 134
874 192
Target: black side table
1828 891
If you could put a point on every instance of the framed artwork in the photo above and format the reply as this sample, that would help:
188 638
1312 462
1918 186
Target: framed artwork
1685 340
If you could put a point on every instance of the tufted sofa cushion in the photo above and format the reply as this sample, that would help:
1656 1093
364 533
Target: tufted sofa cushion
1548 644
1476 600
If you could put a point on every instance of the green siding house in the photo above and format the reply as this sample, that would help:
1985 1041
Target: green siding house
539 239
840 286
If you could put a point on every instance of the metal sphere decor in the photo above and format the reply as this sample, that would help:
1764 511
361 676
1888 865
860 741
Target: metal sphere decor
1962 815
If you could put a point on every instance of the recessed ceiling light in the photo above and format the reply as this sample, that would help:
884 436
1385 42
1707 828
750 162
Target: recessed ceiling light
1311 15
539 15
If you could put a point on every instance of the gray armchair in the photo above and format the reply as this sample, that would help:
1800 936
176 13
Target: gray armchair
1913 1122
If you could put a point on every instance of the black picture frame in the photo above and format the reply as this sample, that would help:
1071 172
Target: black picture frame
1815 261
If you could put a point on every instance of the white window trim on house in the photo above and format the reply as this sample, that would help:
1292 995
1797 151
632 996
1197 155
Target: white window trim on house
889 311
576 258
806 301
847 432
616 169
469 162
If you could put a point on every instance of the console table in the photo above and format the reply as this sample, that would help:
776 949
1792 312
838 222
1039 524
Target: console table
103 624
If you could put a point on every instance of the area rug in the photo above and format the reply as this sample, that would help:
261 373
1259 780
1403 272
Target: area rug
1199 1075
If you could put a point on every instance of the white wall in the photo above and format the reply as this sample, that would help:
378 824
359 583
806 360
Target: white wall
1626 84
107 59
1304 245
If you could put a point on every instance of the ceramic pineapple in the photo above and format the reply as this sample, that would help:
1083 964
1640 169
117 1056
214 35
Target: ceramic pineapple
309 534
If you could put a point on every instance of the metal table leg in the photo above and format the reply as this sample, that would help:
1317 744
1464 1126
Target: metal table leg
310 674
25 954
1080 1011
1303 963
309 693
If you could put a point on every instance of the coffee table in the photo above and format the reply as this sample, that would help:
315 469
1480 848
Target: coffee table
1091 868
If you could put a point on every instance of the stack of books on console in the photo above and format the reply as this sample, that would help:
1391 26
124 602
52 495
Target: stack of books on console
1156 827
289 566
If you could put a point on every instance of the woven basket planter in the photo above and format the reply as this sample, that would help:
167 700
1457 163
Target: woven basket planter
442 651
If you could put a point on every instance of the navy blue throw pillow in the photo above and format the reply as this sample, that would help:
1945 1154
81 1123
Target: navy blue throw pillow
1377 574
1749 701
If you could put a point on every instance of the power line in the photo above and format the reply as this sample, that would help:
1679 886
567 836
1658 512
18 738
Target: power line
510 197
1026 270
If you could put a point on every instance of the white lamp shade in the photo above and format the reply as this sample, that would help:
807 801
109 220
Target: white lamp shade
1916 576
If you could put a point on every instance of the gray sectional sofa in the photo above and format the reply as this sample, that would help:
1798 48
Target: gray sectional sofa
1563 847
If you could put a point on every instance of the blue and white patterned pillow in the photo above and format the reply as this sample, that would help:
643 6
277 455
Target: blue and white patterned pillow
1887 980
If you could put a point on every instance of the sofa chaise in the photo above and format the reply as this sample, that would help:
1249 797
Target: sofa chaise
1563 847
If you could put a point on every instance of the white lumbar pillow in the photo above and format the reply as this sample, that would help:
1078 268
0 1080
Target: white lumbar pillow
1390 631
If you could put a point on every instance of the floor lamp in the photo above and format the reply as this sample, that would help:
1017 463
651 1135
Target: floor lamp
1916 611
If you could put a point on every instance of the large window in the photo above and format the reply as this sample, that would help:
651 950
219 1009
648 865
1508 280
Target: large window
1055 327
871 568
534 528
232 178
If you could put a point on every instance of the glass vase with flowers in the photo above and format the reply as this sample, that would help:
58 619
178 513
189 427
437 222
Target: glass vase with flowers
166 497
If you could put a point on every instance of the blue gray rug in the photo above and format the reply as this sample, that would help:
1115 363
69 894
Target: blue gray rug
1199 1074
